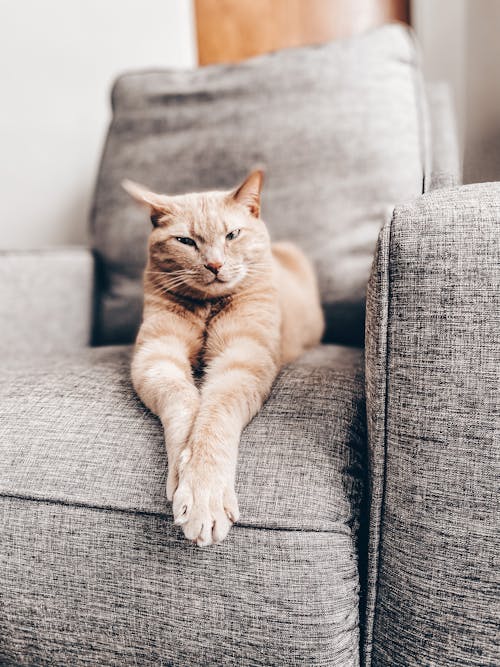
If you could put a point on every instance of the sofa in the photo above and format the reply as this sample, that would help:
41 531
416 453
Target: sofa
367 483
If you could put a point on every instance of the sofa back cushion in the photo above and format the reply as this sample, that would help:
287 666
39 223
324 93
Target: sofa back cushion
340 129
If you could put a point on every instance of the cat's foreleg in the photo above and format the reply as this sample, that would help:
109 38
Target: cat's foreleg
162 377
236 384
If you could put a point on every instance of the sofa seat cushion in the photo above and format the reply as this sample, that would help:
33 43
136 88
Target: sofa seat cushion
341 130
93 570
84 437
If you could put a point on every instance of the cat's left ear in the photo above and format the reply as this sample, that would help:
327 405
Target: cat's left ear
157 204
248 193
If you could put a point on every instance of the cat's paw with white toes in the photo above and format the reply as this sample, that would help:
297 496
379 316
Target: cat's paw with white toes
205 505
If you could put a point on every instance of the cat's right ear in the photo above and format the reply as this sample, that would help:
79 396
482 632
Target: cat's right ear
156 204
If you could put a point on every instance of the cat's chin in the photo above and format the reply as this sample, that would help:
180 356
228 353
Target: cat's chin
218 288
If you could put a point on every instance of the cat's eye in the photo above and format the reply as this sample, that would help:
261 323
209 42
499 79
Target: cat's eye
185 240
232 235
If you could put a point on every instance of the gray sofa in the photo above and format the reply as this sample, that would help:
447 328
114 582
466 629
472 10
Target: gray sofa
367 483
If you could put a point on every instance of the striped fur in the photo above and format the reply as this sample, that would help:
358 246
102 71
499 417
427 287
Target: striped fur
211 345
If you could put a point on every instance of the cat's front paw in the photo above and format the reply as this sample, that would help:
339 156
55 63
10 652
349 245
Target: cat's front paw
176 462
205 504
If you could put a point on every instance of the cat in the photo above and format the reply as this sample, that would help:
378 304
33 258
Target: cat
224 304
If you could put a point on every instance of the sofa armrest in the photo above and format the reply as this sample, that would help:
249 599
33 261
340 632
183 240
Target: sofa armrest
433 375
45 301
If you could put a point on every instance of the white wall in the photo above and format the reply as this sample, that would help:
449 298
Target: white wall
482 103
57 61
441 31
460 41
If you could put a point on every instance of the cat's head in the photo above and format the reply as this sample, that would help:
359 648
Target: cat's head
206 244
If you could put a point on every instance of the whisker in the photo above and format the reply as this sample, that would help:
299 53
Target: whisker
168 287
162 288
171 273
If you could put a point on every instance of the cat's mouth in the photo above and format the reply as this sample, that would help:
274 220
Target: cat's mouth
228 281
224 284
218 285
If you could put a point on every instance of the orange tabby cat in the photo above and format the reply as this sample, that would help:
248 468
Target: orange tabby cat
220 301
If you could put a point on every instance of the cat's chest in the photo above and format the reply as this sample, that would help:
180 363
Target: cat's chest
208 316
214 313
199 313
216 308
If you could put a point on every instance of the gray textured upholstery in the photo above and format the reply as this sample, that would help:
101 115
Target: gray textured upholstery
446 170
95 588
341 128
433 378
115 583
45 300
92 571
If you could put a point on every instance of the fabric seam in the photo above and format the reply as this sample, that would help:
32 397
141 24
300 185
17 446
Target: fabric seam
381 507
386 415
162 515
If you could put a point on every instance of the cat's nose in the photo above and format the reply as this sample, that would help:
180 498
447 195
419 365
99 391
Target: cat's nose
214 267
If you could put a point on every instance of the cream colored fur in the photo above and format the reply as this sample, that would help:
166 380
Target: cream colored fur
255 308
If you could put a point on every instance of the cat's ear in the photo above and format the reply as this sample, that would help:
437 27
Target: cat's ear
248 193
156 204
